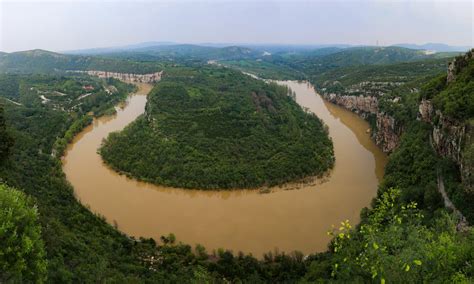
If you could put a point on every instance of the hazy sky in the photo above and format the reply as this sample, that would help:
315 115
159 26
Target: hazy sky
61 25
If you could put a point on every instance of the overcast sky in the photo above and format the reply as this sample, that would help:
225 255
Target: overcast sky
61 25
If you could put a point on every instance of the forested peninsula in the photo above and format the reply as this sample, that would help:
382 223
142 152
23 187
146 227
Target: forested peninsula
215 128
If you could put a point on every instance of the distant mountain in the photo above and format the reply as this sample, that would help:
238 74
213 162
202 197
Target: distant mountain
438 47
272 48
140 58
102 50
323 51
167 50
317 62
185 51
375 55
42 61
293 48
147 57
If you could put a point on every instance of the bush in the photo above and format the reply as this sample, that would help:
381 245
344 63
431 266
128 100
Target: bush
22 255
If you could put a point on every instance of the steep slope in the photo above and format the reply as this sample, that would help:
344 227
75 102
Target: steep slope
448 105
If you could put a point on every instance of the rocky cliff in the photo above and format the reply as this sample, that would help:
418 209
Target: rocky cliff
458 64
386 132
359 104
451 139
128 77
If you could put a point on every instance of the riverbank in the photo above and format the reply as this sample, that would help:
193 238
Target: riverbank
242 220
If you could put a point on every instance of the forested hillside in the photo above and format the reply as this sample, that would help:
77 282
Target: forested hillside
42 61
186 52
320 62
217 128
78 244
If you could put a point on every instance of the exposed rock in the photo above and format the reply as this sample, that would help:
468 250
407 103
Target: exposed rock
425 110
457 64
357 104
448 136
387 133
450 139
129 77
451 71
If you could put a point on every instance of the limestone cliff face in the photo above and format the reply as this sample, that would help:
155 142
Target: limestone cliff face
451 139
457 64
359 104
425 110
386 133
129 77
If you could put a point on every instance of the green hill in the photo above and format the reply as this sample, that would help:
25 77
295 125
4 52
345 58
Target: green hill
374 55
184 52
455 98
320 62
217 128
42 61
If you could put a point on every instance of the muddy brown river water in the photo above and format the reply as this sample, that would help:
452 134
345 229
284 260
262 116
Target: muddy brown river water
241 220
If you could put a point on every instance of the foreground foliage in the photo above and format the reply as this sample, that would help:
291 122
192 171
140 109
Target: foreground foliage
22 255
394 244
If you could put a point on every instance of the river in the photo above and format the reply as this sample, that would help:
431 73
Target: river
241 220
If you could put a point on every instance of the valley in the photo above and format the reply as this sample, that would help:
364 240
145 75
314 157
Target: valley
399 123
291 217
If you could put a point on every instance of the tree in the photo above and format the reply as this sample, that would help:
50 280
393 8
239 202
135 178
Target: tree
22 255
395 245
5 139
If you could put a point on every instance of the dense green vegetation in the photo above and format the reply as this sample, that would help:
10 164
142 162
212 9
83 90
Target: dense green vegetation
394 74
82 247
375 56
328 63
218 128
185 52
5 139
79 245
41 61
22 255
413 169
265 69
397 243
61 143
66 93
455 99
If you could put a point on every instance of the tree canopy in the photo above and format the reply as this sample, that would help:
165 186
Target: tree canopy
218 128
22 254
